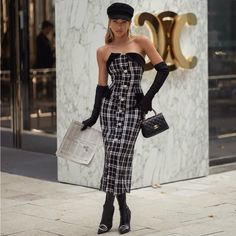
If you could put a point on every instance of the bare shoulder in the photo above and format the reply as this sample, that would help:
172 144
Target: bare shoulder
141 39
101 52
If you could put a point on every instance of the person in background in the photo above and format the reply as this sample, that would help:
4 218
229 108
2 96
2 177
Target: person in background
45 58
44 47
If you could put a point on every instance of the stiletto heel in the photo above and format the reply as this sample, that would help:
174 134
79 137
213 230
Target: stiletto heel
106 221
125 217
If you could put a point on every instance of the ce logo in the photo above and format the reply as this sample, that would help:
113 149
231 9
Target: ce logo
166 29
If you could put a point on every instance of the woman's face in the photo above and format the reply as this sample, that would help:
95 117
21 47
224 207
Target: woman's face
119 27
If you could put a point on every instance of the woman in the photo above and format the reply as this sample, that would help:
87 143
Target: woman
121 107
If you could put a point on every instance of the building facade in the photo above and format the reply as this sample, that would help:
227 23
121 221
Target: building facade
180 153
197 99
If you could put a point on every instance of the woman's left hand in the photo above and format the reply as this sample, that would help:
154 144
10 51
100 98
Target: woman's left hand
145 105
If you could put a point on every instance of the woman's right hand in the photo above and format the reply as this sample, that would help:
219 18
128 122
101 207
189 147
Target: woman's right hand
89 122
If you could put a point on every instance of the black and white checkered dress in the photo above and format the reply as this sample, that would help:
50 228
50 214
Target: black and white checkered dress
120 120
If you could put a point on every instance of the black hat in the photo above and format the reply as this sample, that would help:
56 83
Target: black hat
120 10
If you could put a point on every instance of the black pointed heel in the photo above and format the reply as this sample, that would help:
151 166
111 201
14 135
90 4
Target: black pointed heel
125 218
106 221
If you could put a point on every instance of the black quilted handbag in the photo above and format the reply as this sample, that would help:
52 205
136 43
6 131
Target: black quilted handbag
154 125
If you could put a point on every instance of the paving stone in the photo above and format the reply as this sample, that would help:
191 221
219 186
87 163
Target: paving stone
37 211
197 207
15 223
6 203
35 233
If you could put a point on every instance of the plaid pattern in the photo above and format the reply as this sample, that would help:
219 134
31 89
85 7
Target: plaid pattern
120 123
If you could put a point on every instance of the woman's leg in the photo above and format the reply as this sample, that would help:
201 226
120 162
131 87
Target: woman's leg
125 214
107 215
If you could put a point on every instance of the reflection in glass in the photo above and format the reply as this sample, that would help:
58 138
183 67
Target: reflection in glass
222 77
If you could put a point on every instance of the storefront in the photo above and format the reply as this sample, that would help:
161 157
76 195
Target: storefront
222 81
198 99
28 92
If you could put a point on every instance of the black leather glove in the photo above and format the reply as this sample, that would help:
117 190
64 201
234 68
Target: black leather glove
162 73
100 93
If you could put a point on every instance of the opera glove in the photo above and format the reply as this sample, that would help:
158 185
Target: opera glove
100 93
162 73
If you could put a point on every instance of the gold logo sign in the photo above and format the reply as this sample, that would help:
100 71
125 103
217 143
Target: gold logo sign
166 29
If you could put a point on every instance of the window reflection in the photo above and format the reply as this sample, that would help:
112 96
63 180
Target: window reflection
222 77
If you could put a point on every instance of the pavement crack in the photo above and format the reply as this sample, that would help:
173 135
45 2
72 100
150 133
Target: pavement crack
212 233
223 203
47 231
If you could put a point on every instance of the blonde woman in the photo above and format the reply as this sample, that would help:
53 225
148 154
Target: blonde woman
121 107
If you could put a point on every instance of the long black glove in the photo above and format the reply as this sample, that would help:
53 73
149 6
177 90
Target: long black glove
162 73
100 93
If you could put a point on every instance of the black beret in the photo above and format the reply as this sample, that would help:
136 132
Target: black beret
120 10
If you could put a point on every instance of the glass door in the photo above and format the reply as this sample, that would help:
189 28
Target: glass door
222 81
28 78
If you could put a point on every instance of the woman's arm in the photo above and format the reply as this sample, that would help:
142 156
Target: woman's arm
102 70
162 73
149 49
100 90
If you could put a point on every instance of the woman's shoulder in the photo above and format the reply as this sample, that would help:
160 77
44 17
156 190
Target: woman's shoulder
142 39
102 51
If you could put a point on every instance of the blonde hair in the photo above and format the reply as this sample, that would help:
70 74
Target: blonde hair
109 37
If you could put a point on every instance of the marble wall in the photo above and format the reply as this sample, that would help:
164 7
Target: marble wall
177 154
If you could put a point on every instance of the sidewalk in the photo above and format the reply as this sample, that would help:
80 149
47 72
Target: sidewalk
33 206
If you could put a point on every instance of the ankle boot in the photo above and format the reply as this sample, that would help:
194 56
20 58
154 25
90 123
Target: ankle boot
125 217
107 218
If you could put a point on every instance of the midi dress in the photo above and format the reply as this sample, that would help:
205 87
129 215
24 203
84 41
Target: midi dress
120 120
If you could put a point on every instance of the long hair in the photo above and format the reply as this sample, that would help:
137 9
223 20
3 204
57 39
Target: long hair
109 37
